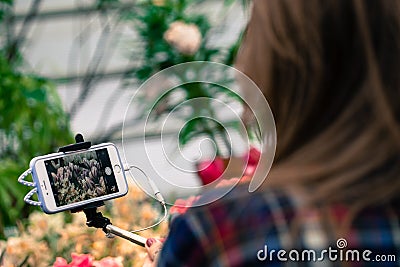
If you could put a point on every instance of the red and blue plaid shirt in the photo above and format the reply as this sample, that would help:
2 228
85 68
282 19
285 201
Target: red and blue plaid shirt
256 229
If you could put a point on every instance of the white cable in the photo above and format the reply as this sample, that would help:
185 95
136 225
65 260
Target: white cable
28 199
157 195
22 177
153 225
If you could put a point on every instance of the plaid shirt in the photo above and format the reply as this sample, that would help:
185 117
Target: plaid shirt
255 229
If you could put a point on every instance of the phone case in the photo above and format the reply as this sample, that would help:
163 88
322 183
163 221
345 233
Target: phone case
39 191
71 206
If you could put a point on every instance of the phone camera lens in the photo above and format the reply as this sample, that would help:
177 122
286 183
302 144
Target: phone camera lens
108 170
117 168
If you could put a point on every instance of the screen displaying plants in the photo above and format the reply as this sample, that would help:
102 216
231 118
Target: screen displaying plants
82 176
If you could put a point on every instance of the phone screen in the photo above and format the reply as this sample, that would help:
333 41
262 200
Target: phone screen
81 176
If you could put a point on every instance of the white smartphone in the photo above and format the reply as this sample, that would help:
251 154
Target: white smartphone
71 180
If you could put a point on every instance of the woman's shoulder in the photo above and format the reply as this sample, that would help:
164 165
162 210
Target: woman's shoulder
229 228
241 219
241 201
235 227
279 214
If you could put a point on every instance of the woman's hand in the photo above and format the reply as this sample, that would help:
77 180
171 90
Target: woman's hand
153 247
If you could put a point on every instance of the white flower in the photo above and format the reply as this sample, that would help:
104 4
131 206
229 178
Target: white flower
186 38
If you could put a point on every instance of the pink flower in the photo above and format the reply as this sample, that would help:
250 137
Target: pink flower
233 181
86 260
83 260
227 182
60 262
109 262
181 205
252 157
209 171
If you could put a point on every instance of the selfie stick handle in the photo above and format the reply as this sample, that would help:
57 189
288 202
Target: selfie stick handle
97 220
134 238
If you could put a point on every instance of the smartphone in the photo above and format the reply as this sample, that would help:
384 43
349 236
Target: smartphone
71 180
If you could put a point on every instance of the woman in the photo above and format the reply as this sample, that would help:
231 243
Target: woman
330 71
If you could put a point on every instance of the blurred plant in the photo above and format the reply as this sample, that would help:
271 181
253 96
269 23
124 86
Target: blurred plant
171 32
60 238
32 123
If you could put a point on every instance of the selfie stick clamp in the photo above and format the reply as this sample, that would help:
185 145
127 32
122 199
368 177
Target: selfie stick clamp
94 218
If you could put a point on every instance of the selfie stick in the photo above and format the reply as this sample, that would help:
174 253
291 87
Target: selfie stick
97 220
94 218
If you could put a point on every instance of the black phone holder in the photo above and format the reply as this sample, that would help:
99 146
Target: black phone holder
79 145
93 217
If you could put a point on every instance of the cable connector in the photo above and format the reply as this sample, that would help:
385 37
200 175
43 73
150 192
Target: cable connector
156 192
126 167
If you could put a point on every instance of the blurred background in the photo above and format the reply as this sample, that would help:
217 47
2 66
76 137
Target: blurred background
73 66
